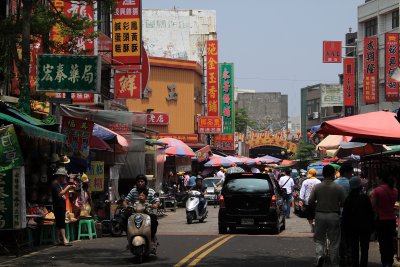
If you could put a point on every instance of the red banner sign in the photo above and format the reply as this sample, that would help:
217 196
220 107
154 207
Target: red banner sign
349 81
212 78
224 141
77 98
210 124
186 138
155 118
391 62
371 70
78 133
332 52
127 32
128 84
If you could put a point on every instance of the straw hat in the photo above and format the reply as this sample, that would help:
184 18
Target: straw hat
54 158
312 172
61 171
64 160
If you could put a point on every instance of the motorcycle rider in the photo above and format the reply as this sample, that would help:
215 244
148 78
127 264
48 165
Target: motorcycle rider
202 189
133 196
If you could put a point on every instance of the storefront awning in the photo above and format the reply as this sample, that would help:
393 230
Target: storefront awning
34 131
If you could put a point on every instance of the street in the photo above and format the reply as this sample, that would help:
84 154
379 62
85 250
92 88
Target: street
197 244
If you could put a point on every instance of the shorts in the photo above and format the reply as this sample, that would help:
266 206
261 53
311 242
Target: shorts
59 213
310 212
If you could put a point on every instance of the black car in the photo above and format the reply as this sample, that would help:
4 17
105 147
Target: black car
250 200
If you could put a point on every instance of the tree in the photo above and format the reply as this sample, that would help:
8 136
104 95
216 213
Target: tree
242 120
304 154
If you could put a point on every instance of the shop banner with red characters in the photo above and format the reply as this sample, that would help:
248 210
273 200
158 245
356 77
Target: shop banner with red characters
349 82
226 97
391 63
371 70
210 124
127 32
224 141
332 52
212 78
128 84
78 133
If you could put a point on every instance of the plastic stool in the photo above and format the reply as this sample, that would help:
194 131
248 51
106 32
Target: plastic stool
70 231
87 228
47 234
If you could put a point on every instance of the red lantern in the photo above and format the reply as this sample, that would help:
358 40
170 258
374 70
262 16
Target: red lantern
287 131
321 136
298 133
300 136
279 134
309 134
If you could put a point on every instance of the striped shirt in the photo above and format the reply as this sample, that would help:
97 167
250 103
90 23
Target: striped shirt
133 196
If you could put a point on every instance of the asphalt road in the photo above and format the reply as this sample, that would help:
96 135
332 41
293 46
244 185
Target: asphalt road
197 244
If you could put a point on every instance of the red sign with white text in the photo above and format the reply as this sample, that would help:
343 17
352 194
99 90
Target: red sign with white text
78 133
210 124
156 118
391 63
332 52
224 141
349 82
128 84
371 70
77 98
212 78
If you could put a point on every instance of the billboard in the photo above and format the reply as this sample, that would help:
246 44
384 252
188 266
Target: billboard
226 100
331 95
391 63
371 70
349 82
212 78
332 52
210 124
128 84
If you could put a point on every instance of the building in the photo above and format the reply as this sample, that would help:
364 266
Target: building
375 19
320 102
268 110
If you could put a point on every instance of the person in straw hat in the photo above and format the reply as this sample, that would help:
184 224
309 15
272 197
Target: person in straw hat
59 203
305 191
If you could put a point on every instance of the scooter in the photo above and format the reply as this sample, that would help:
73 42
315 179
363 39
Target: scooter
192 208
139 232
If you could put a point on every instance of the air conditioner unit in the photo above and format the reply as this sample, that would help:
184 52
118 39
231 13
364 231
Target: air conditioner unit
315 115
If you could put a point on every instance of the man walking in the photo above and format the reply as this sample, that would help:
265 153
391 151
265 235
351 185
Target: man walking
328 198
305 192
286 184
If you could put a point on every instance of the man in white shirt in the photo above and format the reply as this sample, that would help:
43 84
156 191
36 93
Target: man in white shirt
286 183
255 170
220 173
305 191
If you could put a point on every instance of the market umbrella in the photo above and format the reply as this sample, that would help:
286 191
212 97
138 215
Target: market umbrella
97 143
219 162
237 160
332 141
361 149
271 157
234 170
248 161
176 147
264 160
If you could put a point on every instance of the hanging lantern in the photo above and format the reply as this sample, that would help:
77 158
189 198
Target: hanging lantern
321 136
300 136
309 134
298 133
279 134
287 131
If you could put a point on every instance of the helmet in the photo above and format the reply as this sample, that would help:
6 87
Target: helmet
198 177
141 177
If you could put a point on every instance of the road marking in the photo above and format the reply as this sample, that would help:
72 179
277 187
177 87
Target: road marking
208 251
192 254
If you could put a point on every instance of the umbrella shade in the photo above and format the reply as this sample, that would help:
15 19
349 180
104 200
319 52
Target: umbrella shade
97 143
336 166
177 147
108 135
332 141
263 160
361 149
219 162
234 170
378 125
271 157
238 161
248 161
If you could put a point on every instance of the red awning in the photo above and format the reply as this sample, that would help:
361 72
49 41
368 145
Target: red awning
97 143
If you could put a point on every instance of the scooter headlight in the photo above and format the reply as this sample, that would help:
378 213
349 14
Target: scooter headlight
138 219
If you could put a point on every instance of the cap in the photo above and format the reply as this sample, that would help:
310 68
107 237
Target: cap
312 172
355 183
61 171
64 159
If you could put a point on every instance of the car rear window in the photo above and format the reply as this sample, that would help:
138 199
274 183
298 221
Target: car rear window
210 182
248 185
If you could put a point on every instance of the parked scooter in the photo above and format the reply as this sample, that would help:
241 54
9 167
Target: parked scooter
139 232
192 208
118 222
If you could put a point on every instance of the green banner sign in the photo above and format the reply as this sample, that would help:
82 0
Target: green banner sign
68 73
10 151
226 101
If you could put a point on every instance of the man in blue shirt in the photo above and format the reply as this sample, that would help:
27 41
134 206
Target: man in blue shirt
346 172
192 180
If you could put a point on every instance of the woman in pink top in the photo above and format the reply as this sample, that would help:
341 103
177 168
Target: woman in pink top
383 199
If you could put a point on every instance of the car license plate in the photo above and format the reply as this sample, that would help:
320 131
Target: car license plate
248 221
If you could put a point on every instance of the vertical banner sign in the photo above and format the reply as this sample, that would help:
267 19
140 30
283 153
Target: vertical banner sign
349 85
391 63
212 78
10 151
127 33
78 133
226 97
12 201
128 84
96 176
370 70
332 52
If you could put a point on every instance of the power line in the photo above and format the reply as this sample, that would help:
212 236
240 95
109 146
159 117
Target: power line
280 79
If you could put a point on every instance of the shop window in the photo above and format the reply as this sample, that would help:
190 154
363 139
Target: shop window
395 19
371 27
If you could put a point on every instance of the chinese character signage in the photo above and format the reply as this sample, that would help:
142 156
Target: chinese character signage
370 70
12 200
224 141
226 97
77 98
127 33
68 73
212 78
203 153
349 82
391 62
332 52
156 118
78 133
96 176
128 84
10 151
210 124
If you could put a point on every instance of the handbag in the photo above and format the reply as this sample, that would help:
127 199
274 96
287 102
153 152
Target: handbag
283 190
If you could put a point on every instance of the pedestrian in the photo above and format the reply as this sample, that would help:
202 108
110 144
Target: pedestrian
346 172
383 200
192 180
358 222
255 170
186 180
286 184
327 197
221 173
59 190
305 191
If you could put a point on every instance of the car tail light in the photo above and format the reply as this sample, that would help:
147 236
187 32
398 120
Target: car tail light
273 201
221 201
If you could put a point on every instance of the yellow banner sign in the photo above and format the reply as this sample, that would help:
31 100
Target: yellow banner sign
96 176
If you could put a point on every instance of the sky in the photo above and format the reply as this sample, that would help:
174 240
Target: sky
276 45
